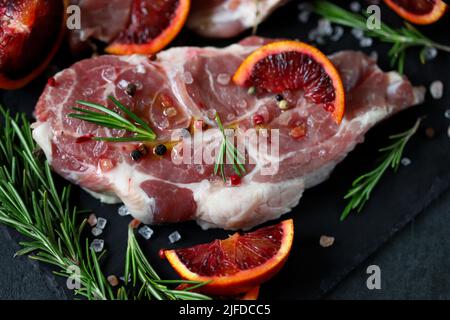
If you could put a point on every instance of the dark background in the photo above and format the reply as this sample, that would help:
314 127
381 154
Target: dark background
414 262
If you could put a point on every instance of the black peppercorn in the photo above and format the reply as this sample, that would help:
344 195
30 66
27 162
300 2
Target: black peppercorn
160 150
279 97
131 89
136 155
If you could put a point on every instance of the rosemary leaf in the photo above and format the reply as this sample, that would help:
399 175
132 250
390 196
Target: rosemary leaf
363 186
401 38
110 119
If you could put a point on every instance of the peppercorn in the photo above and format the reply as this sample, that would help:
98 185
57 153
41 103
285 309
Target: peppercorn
430 133
235 180
51 82
131 89
279 97
258 119
160 150
136 155
283 105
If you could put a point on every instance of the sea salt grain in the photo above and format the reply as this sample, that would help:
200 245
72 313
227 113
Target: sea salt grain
123 211
97 245
338 33
101 223
357 33
324 27
174 237
406 162
447 114
355 6
326 241
146 232
303 16
366 42
96 231
430 53
223 79
437 89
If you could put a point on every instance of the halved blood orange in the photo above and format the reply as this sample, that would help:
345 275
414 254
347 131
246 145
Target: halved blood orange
31 32
153 25
237 264
418 11
292 65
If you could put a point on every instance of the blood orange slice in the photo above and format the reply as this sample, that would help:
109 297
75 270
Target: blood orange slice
418 11
153 25
31 32
237 264
292 65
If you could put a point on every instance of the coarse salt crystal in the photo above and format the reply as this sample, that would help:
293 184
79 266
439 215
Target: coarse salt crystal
437 89
366 42
430 53
146 232
338 33
303 16
357 33
123 84
224 79
355 6
123 211
96 231
447 114
140 69
101 223
97 245
406 161
324 27
174 237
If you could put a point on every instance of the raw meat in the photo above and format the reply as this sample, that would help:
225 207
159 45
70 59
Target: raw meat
193 83
228 18
100 19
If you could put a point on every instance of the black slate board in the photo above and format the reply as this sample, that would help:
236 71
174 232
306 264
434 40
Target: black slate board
311 270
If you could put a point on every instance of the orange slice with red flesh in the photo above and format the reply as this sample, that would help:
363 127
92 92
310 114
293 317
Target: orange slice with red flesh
292 65
237 264
153 25
418 11
31 32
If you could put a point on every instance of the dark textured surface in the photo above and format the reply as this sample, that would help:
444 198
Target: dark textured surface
412 265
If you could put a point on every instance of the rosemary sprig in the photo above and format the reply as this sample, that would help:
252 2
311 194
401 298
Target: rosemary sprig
363 186
401 38
226 149
31 204
138 269
113 120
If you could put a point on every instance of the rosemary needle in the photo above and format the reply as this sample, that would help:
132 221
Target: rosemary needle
113 120
363 186
31 204
226 149
401 38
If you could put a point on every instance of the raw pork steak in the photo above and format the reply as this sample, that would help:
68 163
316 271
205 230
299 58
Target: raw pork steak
193 83
228 18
